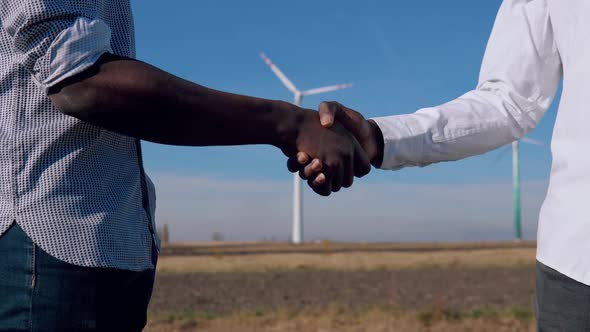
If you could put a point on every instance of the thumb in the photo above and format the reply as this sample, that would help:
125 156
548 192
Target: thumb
327 115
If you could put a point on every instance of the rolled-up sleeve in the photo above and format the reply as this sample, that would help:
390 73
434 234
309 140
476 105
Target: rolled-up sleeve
55 39
519 77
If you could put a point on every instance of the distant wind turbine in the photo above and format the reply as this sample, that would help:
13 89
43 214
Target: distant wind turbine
297 233
516 183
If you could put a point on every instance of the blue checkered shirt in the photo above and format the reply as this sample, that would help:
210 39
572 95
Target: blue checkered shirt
77 190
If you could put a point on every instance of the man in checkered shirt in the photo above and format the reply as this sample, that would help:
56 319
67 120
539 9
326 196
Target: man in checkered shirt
77 243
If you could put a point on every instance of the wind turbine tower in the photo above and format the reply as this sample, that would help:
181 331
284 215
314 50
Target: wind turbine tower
297 232
516 183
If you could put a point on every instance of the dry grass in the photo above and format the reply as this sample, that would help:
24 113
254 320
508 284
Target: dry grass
373 320
350 261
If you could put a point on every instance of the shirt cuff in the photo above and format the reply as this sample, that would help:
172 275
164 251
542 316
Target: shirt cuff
74 50
401 145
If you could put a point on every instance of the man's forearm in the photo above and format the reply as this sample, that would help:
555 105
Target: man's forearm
135 99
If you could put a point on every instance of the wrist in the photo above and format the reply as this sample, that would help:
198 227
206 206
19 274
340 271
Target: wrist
375 145
286 119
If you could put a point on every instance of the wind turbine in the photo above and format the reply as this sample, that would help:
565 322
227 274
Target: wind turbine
297 232
516 183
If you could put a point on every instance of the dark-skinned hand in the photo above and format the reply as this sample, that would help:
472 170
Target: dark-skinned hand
333 114
336 149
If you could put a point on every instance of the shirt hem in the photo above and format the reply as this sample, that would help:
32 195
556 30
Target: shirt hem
565 271
147 264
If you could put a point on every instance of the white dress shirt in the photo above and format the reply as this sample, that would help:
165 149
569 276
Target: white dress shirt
533 45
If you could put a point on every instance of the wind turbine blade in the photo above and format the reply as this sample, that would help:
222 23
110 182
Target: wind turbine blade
279 74
532 141
326 89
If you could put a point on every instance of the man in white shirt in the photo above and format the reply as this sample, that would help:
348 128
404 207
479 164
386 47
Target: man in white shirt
534 44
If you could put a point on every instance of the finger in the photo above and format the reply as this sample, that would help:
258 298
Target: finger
327 114
294 163
324 191
348 175
303 158
320 185
312 169
337 176
319 180
362 164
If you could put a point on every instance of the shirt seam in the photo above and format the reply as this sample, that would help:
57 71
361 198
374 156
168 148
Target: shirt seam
13 145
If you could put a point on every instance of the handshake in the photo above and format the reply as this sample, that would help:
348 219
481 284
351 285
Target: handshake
331 147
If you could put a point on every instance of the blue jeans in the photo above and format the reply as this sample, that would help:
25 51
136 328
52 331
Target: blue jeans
41 293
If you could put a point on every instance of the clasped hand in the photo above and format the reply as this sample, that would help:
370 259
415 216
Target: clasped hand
333 146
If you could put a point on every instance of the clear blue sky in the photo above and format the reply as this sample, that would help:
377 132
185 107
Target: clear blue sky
401 56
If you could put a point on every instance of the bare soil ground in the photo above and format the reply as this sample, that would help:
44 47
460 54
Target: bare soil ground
473 289
456 289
